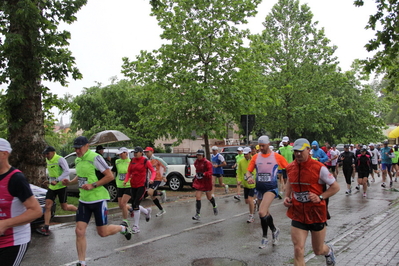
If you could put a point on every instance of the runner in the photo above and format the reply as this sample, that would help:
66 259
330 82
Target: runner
306 203
217 167
333 160
203 183
395 166
266 163
363 165
249 189
18 207
58 170
348 163
239 156
287 152
93 196
386 163
123 192
161 169
318 153
137 176
375 158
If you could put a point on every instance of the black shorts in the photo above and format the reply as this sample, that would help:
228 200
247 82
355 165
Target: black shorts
137 195
12 256
394 164
249 192
363 174
155 185
374 166
61 193
217 175
122 191
331 167
99 209
308 227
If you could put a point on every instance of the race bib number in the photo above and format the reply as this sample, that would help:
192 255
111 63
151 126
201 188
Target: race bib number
51 179
264 177
302 196
82 181
122 177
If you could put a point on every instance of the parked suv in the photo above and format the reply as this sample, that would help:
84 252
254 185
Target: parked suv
111 186
230 158
181 169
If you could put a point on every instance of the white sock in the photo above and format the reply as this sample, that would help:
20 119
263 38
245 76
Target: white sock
143 210
136 217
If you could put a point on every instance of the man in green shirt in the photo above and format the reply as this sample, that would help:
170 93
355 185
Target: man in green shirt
239 156
249 189
58 170
93 196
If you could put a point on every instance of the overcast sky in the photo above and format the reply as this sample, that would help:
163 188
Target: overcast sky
108 30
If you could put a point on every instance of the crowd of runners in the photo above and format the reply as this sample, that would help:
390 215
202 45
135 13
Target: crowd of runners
303 174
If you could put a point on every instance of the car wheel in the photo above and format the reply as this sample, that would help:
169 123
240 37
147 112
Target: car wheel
175 183
112 190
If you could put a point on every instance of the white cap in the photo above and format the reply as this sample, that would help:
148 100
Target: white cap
5 145
240 149
352 145
264 140
246 150
286 139
122 150
371 144
364 147
215 148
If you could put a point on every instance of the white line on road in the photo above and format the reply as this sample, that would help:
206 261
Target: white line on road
143 242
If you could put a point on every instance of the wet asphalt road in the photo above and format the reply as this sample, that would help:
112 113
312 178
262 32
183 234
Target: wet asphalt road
175 239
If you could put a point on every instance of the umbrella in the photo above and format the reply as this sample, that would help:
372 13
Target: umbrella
107 136
394 133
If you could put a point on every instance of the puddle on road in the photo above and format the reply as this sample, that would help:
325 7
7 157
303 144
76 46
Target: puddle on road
218 262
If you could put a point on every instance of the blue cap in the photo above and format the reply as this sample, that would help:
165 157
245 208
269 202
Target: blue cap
80 141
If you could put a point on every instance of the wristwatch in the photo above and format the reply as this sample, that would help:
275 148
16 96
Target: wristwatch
94 184
321 197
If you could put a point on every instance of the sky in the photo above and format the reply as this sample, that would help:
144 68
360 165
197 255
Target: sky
106 31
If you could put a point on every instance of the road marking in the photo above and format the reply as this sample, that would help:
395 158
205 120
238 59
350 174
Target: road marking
202 225
143 242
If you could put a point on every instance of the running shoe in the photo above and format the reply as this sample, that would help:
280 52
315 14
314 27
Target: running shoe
364 194
353 180
396 179
162 212
373 180
215 210
43 231
125 223
275 236
196 217
383 185
250 219
237 197
163 196
391 184
330 259
357 187
135 229
127 233
148 215
349 191
226 189
263 243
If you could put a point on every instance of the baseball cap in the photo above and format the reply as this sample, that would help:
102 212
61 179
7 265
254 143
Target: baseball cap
363 150
364 147
285 139
334 146
5 145
138 149
346 146
371 144
215 148
122 150
385 142
301 144
80 141
200 152
264 140
246 150
352 145
99 148
48 149
240 149
149 149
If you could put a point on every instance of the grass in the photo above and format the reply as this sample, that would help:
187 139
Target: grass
230 180
75 201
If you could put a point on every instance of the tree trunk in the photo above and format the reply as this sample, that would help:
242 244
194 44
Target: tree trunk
24 100
207 151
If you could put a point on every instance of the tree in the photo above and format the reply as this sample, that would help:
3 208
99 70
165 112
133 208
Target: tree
386 41
298 63
32 49
195 83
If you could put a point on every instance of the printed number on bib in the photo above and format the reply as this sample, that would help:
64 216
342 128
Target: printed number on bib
82 181
302 196
122 177
264 177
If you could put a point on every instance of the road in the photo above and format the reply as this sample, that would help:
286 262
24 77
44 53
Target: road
226 239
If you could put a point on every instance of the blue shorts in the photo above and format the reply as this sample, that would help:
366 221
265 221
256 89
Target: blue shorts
261 192
99 209
155 185
386 166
